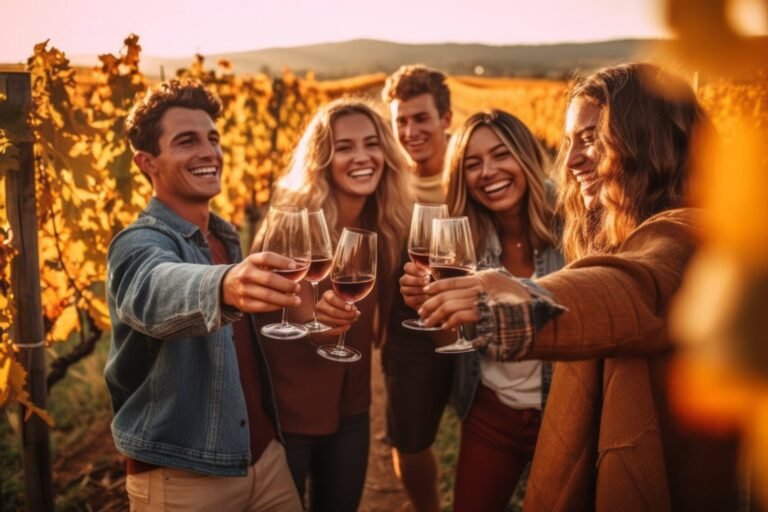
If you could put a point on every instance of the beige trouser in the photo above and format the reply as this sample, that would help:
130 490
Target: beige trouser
267 487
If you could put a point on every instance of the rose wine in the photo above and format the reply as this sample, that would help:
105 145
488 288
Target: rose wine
318 269
352 288
448 271
295 274
420 257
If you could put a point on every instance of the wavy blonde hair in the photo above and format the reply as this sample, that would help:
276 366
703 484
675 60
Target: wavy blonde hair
643 138
532 159
308 181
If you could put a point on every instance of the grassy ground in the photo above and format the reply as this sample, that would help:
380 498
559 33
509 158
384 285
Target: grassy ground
79 405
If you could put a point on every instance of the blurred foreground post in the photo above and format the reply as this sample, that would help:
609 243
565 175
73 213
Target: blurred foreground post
25 279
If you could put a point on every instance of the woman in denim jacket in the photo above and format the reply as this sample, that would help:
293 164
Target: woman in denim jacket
496 173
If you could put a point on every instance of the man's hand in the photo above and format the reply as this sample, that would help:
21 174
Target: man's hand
336 313
252 287
412 285
452 302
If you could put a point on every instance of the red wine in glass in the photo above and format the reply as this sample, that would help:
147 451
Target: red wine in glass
420 257
319 268
418 247
320 264
448 271
353 274
451 255
297 274
287 234
353 288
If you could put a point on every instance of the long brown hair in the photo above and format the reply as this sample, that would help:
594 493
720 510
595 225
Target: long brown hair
532 159
643 139
308 182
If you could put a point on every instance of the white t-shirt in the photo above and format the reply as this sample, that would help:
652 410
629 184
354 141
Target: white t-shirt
516 384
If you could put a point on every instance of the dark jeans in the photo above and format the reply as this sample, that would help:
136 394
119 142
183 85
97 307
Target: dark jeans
335 464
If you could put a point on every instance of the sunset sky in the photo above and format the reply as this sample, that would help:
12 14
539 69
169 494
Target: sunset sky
181 28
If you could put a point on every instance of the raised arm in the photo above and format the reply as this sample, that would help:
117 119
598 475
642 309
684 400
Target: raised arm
152 290
616 304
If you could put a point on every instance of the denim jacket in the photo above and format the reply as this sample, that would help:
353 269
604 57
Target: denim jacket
467 374
172 369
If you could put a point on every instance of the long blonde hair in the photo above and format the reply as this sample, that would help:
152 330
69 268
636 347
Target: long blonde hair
532 159
308 181
643 139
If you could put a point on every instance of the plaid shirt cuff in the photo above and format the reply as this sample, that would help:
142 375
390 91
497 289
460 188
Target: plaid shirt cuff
507 332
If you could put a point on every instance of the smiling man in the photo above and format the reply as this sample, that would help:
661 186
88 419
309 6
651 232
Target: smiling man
194 411
418 380
420 106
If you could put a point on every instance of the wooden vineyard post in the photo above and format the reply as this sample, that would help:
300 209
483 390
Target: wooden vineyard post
25 279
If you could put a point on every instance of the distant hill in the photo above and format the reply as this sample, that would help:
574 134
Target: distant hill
333 60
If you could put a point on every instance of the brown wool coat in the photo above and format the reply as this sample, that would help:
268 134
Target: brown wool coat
607 440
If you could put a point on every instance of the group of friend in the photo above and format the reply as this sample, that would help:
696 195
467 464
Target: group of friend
569 376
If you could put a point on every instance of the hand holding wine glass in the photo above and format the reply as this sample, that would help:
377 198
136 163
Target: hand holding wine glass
418 251
353 275
251 287
288 235
452 254
320 264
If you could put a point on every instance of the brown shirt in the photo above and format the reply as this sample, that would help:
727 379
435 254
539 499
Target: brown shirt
313 393
260 429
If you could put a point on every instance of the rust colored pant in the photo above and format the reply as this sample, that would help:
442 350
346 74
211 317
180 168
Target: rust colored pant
497 443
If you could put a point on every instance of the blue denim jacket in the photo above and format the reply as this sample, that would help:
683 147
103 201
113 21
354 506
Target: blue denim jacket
467 374
172 369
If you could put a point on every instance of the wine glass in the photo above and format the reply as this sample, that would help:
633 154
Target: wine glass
288 235
418 247
452 254
353 274
320 264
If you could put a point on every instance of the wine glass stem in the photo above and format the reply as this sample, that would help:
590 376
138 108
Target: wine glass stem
340 343
314 305
284 323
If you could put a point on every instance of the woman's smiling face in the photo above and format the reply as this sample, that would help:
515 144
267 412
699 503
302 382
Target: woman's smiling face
493 175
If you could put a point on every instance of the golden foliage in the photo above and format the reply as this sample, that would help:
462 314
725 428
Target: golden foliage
88 187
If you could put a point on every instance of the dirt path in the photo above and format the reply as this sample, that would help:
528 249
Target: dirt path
383 491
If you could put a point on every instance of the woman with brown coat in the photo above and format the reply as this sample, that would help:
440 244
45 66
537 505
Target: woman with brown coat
607 439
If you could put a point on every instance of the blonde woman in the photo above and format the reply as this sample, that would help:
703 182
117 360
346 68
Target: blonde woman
496 174
348 164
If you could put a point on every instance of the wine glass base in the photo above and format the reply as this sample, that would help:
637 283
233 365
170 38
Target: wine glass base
286 331
317 327
417 325
339 354
458 347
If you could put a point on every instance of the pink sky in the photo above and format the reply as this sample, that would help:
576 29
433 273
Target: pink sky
176 28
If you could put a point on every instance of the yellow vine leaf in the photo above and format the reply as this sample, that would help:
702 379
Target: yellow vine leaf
12 381
67 323
99 311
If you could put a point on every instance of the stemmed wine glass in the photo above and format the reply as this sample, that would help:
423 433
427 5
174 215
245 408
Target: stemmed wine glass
288 235
452 254
418 247
353 274
320 264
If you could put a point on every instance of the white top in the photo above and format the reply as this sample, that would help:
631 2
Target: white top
517 384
